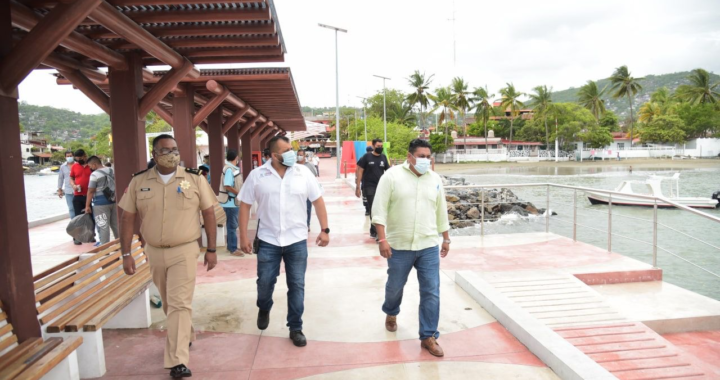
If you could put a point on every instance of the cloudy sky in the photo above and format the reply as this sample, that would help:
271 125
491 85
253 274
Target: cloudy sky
558 43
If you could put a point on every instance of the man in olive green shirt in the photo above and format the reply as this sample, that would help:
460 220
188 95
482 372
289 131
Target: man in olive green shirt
410 212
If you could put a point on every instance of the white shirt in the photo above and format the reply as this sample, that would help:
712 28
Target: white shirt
282 206
315 160
166 177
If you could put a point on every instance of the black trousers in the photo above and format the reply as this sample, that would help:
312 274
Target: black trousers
369 195
79 206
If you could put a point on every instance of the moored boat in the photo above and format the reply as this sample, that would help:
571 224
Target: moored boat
652 187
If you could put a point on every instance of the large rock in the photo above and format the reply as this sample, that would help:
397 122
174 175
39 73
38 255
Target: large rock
452 198
474 213
519 210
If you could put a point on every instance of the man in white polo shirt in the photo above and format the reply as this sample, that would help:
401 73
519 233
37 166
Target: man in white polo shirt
281 189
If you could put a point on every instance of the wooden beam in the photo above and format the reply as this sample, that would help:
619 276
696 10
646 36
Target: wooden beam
112 19
90 89
198 15
232 120
162 88
217 88
203 42
209 107
224 52
42 40
220 59
62 62
128 3
248 126
216 146
164 114
25 18
183 110
194 30
261 129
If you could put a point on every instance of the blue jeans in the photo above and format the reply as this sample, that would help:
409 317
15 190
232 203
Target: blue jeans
309 204
268 268
427 264
232 225
71 208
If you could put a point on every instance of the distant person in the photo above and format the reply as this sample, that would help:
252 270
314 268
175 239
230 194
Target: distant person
370 168
301 160
101 192
364 198
204 170
618 156
266 156
410 212
231 182
65 190
79 180
108 164
630 169
316 162
206 162
151 163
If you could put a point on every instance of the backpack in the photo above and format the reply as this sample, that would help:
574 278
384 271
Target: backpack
109 189
223 195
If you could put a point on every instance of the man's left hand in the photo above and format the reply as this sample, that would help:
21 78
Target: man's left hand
88 210
323 239
445 249
210 260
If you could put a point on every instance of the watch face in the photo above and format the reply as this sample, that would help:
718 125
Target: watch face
327 230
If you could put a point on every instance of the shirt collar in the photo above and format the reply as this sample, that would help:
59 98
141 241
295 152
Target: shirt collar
229 164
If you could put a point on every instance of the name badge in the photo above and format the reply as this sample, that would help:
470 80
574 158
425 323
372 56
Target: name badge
145 189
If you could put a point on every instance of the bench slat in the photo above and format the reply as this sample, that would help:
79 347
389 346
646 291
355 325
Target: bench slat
51 359
47 292
7 342
50 271
3 316
29 358
70 268
134 290
18 351
60 324
5 329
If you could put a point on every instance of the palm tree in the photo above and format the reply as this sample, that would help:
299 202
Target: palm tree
420 95
649 111
590 97
461 98
511 100
540 101
700 90
402 114
624 84
483 109
443 99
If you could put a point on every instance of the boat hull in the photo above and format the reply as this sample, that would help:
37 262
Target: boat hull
601 199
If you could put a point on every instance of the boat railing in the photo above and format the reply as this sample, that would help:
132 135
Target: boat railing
552 198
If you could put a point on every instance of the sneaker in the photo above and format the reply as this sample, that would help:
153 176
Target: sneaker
97 244
180 371
263 319
298 338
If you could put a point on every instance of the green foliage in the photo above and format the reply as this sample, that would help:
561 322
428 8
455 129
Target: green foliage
399 135
664 129
541 102
596 136
437 141
103 147
609 121
59 124
571 121
394 100
58 157
591 97
155 124
700 120
419 96
701 89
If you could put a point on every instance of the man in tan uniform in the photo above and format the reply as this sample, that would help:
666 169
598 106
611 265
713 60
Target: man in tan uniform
169 199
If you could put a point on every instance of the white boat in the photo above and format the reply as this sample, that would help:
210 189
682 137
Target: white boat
652 187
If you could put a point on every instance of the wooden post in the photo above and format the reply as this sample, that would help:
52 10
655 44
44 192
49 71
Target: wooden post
233 139
129 143
183 108
17 291
247 149
217 148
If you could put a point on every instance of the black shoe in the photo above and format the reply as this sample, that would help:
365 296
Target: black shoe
373 235
77 242
367 213
180 371
263 319
298 338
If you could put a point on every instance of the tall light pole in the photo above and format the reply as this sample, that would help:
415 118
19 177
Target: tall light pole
384 106
364 116
337 96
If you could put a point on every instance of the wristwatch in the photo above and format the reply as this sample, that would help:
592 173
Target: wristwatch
326 230
211 250
448 241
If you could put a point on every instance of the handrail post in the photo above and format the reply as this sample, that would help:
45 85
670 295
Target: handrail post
655 234
575 215
345 169
482 213
610 223
547 210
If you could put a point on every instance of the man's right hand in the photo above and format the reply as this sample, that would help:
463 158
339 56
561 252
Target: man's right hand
358 193
245 245
60 193
385 250
129 265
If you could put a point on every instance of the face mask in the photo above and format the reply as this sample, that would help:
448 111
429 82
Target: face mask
422 165
301 159
289 158
379 150
81 162
70 160
169 161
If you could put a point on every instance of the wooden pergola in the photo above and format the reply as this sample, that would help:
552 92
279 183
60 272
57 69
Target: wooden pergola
78 37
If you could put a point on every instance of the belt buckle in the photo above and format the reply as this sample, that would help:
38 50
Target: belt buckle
165 246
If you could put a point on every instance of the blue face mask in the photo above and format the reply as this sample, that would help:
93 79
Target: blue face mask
422 165
289 158
70 160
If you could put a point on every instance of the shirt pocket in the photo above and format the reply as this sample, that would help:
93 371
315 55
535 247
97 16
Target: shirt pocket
188 199
431 195
145 201
298 186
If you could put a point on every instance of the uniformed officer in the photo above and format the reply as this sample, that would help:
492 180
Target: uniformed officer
169 199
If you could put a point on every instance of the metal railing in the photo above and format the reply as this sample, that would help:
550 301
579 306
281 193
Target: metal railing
485 189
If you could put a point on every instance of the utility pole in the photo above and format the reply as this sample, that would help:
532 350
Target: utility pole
384 104
337 95
364 116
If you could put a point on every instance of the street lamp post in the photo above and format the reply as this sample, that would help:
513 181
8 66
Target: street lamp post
364 116
384 106
337 95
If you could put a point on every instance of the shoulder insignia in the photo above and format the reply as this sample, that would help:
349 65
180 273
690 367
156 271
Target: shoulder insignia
192 171
140 172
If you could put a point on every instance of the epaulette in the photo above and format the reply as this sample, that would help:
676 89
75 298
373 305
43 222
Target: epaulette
192 171
140 172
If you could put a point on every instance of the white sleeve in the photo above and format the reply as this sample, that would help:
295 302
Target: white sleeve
247 192
314 189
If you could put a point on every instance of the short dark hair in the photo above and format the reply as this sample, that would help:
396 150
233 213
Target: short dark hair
418 143
231 155
95 160
69 152
266 152
108 164
79 153
375 141
157 139
272 144
369 149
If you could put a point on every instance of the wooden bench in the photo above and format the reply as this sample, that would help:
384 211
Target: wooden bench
35 358
81 295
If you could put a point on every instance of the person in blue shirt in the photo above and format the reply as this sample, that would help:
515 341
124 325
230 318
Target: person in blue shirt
230 171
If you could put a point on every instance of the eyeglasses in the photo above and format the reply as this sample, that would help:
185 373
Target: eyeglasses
165 151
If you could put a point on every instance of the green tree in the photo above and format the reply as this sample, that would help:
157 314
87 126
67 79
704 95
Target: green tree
443 99
103 146
700 120
700 90
399 135
437 141
419 96
155 124
572 121
511 100
483 109
462 100
664 129
590 97
596 136
394 100
625 85
540 101
609 121
661 103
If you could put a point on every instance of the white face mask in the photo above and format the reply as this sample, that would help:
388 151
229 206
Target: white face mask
422 165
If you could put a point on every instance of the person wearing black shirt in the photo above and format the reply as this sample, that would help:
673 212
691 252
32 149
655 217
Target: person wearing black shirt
369 170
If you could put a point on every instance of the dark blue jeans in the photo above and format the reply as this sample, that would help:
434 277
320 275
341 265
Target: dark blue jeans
268 268
309 204
232 225
427 264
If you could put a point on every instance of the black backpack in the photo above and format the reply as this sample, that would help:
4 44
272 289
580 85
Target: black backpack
109 189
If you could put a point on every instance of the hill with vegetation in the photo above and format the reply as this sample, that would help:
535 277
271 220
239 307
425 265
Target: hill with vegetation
60 124
621 107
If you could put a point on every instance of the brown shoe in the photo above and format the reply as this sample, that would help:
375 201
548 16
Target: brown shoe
432 346
391 323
